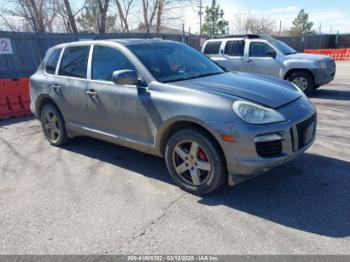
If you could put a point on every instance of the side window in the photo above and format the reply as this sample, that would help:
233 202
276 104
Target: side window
106 60
74 61
234 48
212 48
259 49
51 63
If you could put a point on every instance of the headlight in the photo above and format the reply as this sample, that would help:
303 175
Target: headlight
323 65
256 114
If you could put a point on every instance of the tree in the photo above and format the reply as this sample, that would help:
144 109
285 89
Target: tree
301 24
96 18
124 7
149 8
262 25
37 14
68 15
214 22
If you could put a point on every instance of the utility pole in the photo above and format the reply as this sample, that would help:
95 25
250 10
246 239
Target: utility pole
279 31
200 13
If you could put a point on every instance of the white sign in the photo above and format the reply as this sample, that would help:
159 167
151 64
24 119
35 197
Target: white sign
5 46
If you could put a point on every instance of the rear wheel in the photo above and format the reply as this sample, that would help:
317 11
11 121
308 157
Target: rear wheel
53 125
303 80
195 161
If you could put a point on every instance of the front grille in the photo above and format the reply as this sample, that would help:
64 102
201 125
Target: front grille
269 148
301 130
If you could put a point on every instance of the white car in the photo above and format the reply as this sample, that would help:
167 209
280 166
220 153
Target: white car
266 55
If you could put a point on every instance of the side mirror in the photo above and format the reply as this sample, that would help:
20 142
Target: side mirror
272 54
125 77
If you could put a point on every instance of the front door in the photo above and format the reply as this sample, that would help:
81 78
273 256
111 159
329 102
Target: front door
262 59
116 110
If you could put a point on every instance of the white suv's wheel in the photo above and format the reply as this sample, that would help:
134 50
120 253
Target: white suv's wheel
303 80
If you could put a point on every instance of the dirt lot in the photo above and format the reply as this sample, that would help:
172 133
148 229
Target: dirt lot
95 197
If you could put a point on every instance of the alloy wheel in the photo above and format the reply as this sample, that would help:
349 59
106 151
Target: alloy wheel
51 126
191 163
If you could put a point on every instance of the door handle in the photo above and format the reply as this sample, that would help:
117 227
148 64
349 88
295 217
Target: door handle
91 93
249 61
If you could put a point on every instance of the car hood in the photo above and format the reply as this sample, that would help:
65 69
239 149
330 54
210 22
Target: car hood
309 57
265 90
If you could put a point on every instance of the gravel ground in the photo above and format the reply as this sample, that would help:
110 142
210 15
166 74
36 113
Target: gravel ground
91 197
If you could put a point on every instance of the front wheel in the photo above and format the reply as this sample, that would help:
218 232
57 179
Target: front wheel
303 80
195 161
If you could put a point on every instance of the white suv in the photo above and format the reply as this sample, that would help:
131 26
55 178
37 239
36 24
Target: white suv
265 55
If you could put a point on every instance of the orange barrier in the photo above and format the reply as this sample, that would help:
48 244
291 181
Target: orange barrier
14 98
336 54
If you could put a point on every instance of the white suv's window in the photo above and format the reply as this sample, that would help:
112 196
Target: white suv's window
260 49
212 48
235 48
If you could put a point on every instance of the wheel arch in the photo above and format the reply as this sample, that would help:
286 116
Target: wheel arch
177 124
42 101
294 70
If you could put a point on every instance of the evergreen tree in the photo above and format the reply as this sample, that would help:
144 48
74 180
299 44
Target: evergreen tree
301 24
214 20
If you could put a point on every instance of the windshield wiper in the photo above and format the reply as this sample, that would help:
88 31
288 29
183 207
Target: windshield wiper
192 77
291 53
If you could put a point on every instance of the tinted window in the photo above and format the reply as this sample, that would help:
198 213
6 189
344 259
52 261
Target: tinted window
106 60
51 63
234 48
260 49
212 47
169 62
74 61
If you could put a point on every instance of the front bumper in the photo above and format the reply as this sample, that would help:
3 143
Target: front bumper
242 156
324 76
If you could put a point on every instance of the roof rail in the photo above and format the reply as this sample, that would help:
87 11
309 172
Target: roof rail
249 36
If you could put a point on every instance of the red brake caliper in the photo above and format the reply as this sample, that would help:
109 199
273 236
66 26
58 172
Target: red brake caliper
202 156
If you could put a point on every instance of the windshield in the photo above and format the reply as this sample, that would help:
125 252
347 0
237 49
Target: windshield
284 48
170 62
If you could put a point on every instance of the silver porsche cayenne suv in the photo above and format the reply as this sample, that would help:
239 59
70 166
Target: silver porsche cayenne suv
169 100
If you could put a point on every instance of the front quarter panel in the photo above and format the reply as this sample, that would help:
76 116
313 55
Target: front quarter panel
170 104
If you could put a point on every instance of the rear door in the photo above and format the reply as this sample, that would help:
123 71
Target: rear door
69 86
234 52
259 59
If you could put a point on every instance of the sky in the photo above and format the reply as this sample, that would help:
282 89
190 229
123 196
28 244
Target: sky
332 14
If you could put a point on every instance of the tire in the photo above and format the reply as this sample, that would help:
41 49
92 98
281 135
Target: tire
202 173
304 80
53 125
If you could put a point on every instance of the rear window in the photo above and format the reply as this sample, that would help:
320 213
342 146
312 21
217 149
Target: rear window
212 47
234 48
74 61
51 63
